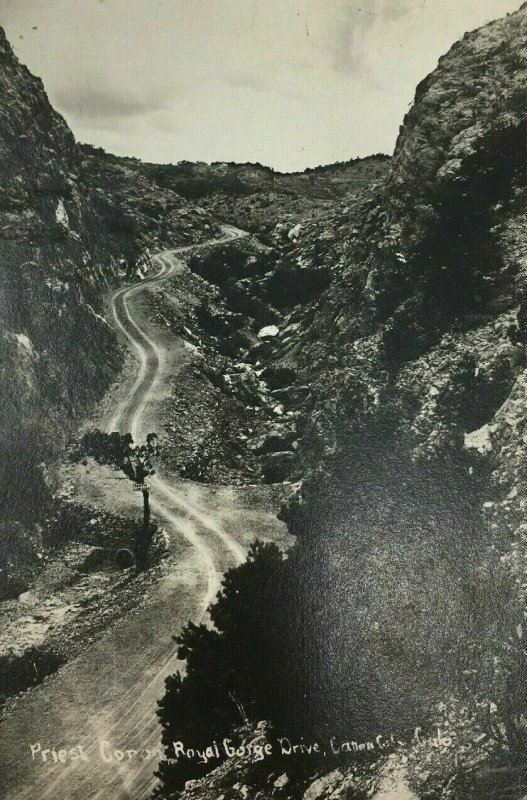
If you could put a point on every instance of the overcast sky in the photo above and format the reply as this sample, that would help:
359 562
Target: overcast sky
289 83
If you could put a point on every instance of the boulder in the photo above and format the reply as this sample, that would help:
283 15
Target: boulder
322 785
268 332
281 781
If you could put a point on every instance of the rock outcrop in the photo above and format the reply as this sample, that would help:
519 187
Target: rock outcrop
56 350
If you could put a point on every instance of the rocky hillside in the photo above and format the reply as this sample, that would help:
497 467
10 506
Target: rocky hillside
405 377
200 180
68 226
254 197
424 322
132 207
257 198
414 430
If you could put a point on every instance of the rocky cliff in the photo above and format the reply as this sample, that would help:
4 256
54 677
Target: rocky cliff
52 334
411 511
414 430
69 224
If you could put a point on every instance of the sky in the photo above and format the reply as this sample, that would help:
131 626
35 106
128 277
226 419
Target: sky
288 83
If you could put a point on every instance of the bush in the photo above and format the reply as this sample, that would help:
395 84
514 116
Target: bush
236 672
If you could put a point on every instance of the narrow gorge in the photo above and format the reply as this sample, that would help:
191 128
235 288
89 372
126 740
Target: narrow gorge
334 363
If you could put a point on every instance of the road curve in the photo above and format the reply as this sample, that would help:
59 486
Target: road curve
133 659
151 354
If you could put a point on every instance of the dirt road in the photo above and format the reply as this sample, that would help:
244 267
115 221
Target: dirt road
100 708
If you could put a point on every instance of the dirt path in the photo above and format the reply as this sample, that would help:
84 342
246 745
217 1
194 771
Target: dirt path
105 700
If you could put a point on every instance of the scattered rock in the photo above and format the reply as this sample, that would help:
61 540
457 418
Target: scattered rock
278 439
281 781
268 332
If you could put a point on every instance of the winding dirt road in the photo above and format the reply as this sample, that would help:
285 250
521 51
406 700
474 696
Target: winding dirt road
105 700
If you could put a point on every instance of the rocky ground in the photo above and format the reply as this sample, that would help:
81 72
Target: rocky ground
423 768
222 418
82 585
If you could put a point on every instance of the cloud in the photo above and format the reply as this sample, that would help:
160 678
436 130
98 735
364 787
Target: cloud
248 80
98 102
359 27
348 51
293 83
